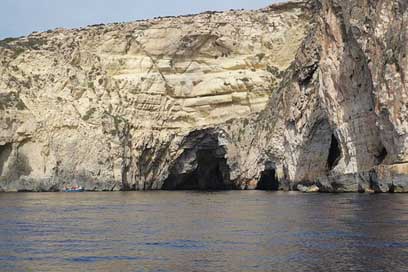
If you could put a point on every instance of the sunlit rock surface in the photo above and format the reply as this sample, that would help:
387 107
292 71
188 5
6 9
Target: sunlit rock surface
107 106
339 118
305 95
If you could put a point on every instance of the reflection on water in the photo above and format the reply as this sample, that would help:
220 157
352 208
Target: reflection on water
191 231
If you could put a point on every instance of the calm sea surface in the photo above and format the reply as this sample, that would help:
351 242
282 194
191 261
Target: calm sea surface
192 231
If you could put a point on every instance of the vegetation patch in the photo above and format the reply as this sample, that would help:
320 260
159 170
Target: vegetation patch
20 45
11 100
88 114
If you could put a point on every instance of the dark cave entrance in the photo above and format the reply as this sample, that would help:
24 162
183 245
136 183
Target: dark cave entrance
382 155
5 151
268 180
334 153
211 173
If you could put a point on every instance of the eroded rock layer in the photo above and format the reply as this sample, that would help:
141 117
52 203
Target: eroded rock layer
306 95
338 121
107 106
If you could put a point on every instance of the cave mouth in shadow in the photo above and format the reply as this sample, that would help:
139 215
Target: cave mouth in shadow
5 151
211 173
268 181
334 153
382 155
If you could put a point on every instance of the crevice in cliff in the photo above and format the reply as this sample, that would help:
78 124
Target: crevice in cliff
334 153
268 181
126 155
5 151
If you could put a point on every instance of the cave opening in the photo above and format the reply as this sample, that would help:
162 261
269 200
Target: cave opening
211 173
268 181
5 151
334 153
382 155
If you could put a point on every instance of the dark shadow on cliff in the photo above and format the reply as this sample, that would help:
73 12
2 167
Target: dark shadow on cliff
5 151
18 162
268 180
334 153
202 165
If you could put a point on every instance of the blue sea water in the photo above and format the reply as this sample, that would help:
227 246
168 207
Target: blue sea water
203 231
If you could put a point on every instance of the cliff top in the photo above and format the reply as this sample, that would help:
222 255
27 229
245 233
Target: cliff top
275 7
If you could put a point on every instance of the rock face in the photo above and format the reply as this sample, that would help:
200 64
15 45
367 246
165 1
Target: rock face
109 106
305 95
338 119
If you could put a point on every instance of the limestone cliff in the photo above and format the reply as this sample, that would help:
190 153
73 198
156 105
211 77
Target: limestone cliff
107 106
305 95
338 121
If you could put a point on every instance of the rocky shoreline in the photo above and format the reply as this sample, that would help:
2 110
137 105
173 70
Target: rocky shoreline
307 96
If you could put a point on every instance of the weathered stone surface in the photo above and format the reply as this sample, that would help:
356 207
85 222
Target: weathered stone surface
391 178
107 106
308 189
304 95
338 118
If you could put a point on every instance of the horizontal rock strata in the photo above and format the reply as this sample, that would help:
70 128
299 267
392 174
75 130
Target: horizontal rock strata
108 106
304 95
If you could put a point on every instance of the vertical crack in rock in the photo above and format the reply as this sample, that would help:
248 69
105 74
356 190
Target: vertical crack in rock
334 153
126 157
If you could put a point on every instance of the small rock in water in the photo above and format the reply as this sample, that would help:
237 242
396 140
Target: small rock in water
308 189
